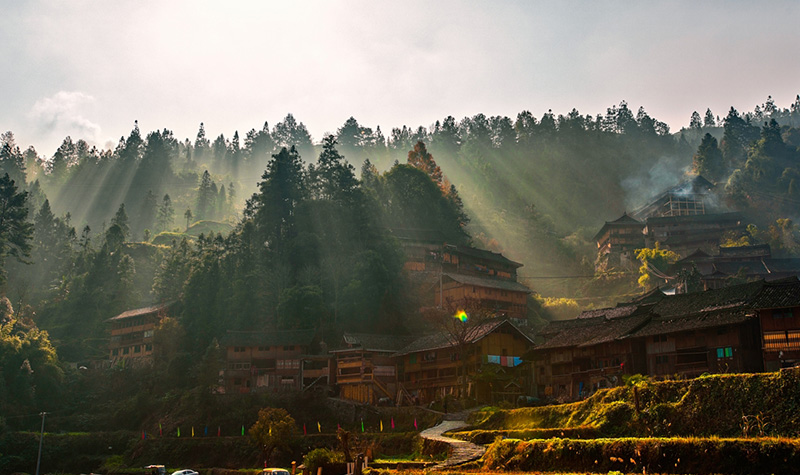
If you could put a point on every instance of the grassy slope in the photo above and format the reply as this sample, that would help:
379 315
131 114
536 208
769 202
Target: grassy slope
719 405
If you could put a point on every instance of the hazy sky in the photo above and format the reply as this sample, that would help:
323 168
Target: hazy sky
89 68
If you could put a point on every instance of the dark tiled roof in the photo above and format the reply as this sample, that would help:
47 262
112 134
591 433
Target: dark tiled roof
751 267
273 338
372 342
611 312
655 295
443 339
699 254
715 318
141 311
675 313
788 265
487 255
489 282
762 250
778 294
623 221
697 302
589 331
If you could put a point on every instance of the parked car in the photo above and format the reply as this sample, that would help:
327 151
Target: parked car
274 471
185 471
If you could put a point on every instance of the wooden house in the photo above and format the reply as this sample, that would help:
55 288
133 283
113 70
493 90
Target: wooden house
132 334
581 355
778 308
483 362
687 198
740 262
618 240
365 367
683 234
267 361
448 276
743 328
681 219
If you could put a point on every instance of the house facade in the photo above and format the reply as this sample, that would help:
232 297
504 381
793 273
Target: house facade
484 362
132 334
449 276
365 367
267 361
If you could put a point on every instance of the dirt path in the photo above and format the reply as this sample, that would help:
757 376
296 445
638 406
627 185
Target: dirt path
463 451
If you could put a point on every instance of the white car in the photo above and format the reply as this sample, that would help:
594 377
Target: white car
185 471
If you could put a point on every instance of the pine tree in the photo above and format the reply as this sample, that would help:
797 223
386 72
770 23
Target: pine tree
206 196
166 214
120 219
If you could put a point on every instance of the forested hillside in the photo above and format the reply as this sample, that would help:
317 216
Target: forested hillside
311 240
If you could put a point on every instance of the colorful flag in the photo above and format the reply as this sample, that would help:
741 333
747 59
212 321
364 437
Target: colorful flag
159 429
381 425
192 431
415 423
319 427
304 429
338 427
179 431
242 429
205 432
142 435
219 431
270 431
392 422
362 425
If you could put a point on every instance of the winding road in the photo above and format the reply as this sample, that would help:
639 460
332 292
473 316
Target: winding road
463 451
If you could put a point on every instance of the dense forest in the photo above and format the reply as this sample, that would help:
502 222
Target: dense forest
277 231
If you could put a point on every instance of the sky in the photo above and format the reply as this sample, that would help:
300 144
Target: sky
89 68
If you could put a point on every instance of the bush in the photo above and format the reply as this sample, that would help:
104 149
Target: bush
651 455
324 458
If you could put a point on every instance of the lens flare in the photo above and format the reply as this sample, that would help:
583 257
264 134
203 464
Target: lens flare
461 315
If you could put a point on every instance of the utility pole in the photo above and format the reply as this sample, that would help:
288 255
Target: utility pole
41 439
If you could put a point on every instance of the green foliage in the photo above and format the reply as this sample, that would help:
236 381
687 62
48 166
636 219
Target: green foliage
15 231
273 429
650 455
324 458
654 262
718 405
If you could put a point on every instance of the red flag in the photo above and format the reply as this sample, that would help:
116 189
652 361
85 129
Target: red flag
142 435
304 429
392 422
219 431
415 423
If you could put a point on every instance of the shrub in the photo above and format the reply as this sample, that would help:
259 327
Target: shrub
324 458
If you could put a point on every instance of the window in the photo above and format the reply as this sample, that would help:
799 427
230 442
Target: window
412 358
782 313
430 356
726 352
288 348
149 347
454 357
659 338
114 352
137 349
263 348
148 333
663 359
238 349
125 350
